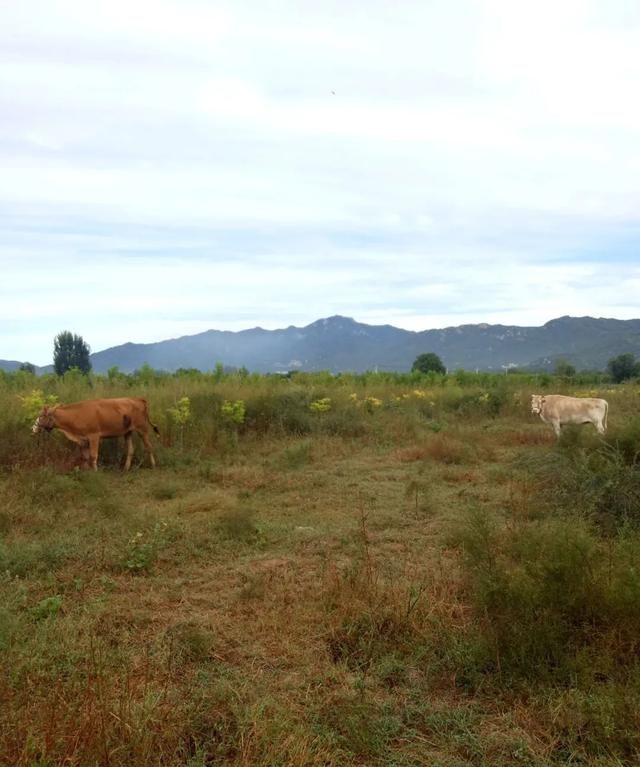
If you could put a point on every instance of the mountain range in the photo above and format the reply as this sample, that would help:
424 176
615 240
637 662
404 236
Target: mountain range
342 344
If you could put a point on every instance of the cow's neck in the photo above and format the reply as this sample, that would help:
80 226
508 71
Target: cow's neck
63 423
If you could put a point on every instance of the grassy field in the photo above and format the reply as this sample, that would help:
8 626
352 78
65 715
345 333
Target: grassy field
352 571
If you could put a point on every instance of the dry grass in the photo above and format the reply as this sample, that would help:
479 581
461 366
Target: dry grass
524 437
294 600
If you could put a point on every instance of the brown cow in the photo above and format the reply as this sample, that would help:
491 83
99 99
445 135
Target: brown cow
88 421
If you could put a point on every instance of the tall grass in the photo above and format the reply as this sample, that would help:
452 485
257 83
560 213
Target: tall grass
346 570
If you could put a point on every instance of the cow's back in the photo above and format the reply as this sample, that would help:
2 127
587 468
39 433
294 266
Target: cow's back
561 409
560 404
107 417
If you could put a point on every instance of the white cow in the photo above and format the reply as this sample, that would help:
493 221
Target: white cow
556 410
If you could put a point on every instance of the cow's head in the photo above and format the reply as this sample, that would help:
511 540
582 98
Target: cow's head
45 421
537 403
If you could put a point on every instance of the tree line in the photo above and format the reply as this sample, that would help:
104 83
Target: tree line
70 351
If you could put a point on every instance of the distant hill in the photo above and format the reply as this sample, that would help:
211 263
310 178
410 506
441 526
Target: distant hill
342 344
11 365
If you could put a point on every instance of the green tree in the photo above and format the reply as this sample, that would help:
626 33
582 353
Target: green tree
623 366
218 373
27 367
115 375
146 374
70 351
564 369
428 363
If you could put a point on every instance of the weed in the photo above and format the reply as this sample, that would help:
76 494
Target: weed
142 549
546 592
141 554
189 642
8 628
238 525
418 492
626 441
447 449
322 405
29 558
598 723
384 641
362 728
594 482
360 640
253 587
47 608
297 455
343 423
5 522
164 491
209 470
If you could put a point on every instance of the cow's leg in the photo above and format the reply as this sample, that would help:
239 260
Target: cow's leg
599 427
128 440
556 428
85 453
149 447
94 446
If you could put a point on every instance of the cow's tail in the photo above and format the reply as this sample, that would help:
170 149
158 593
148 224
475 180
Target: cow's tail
606 412
149 421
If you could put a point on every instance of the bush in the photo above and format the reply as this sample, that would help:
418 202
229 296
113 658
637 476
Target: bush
238 526
280 412
599 482
296 455
343 423
549 597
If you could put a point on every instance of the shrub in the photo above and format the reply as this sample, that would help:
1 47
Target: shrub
189 642
280 412
359 727
233 412
30 558
322 405
181 416
601 482
238 525
627 441
346 422
143 547
297 455
47 608
164 491
446 449
548 596
33 403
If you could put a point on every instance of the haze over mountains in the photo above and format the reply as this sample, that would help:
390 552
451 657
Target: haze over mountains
342 344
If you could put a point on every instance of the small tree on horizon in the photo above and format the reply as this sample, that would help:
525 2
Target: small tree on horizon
428 363
623 366
70 351
564 369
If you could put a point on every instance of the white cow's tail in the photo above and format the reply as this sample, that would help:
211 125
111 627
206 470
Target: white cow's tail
606 412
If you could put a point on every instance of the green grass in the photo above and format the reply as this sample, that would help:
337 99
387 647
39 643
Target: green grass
344 587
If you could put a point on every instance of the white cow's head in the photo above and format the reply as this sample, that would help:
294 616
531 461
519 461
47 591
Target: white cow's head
45 421
537 403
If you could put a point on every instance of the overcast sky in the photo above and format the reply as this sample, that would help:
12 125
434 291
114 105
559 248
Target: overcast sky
169 166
